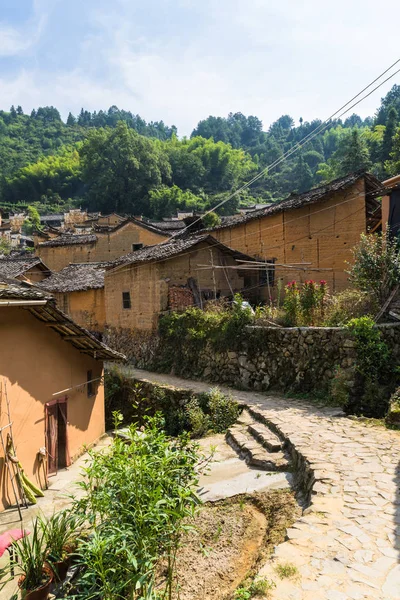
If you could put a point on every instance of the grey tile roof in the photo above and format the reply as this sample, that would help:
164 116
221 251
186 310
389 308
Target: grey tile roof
171 248
313 196
14 267
71 240
76 277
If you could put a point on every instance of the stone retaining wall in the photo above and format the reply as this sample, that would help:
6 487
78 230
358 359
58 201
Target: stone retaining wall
303 358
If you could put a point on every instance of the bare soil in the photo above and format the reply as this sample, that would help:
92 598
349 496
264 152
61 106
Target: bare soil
229 539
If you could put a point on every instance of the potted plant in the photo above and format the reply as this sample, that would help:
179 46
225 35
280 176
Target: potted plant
29 562
60 531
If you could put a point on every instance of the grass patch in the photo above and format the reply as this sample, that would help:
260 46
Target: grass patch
255 589
286 570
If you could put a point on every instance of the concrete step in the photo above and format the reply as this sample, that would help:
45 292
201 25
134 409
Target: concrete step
253 452
265 436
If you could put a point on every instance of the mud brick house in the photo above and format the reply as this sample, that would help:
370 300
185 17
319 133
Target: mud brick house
52 372
25 267
171 276
79 292
317 228
101 245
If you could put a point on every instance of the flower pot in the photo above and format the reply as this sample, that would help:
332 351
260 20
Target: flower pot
60 568
40 593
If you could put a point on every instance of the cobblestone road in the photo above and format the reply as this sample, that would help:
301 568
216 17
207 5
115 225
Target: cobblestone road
347 543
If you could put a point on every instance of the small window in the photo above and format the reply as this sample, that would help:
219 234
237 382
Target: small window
90 386
126 299
136 247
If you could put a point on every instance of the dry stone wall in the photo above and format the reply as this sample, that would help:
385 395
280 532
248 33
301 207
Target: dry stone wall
269 358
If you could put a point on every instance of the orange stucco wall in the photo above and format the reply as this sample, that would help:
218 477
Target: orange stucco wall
35 274
148 286
34 364
322 234
87 308
109 245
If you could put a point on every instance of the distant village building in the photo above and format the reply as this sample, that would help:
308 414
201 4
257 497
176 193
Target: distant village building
310 235
79 292
102 245
25 268
52 371
172 276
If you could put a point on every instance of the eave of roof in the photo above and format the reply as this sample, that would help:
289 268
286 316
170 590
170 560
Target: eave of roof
23 295
76 277
170 249
319 194
16 266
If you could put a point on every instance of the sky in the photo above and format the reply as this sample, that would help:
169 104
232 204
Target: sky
182 60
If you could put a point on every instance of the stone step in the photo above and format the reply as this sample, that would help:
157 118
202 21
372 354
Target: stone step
254 453
265 436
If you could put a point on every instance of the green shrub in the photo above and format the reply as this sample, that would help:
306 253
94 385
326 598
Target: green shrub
339 388
348 305
198 422
137 496
376 267
373 354
224 410
305 304
392 418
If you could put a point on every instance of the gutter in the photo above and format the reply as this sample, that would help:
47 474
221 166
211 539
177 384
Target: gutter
23 302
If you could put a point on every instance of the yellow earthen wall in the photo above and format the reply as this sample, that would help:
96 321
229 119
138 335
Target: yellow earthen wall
148 286
109 246
35 363
87 308
35 274
322 234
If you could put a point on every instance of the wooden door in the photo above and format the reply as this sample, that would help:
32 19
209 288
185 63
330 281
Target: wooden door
52 437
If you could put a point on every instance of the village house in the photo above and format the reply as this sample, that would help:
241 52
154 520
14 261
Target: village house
79 292
23 267
172 276
309 235
102 245
51 371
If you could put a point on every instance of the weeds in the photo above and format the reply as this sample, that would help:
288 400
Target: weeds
257 588
286 570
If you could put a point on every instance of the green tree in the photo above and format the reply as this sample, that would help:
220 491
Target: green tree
353 154
302 176
392 166
120 167
211 219
32 222
388 136
166 201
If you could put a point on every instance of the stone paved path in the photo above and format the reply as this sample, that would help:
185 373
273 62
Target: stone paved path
347 543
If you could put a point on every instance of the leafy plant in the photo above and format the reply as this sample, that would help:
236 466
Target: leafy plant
61 531
260 587
137 497
339 387
286 570
30 554
198 421
376 267
347 305
224 410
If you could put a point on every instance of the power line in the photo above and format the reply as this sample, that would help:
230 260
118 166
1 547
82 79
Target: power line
304 141
263 229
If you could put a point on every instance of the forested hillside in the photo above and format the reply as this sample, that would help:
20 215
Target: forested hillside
115 161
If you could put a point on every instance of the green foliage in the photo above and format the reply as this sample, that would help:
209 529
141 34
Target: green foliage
5 246
376 267
305 305
166 201
339 388
137 497
259 588
61 531
198 422
347 305
211 219
286 570
373 355
30 553
219 325
224 410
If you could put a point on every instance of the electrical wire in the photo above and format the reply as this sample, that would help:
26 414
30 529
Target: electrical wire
304 141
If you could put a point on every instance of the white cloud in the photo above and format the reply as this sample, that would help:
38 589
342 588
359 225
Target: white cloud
305 59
